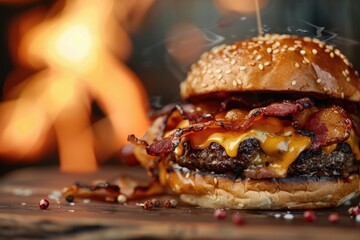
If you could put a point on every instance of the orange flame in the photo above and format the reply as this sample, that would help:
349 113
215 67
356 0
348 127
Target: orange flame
74 65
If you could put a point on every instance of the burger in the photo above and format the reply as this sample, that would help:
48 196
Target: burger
266 123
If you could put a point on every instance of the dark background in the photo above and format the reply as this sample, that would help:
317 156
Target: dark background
336 22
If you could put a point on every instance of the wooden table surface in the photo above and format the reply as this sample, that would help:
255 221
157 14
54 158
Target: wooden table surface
21 217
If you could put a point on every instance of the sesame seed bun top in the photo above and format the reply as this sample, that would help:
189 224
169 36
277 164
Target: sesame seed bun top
273 63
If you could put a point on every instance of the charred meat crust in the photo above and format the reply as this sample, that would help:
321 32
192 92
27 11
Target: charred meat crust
310 163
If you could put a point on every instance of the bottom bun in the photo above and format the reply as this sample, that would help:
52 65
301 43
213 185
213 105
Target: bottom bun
212 191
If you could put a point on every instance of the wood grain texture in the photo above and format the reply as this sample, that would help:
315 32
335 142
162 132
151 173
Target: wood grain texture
21 218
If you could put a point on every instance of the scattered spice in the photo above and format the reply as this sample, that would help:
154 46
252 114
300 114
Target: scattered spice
44 204
147 205
310 216
156 202
333 218
121 199
354 211
220 214
69 198
238 219
172 203
288 216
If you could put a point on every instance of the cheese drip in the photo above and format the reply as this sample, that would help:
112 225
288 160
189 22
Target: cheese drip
278 139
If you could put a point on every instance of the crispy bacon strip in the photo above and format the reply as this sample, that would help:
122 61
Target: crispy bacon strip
328 126
167 145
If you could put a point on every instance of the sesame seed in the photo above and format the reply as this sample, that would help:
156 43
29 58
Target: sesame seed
337 52
242 68
344 73
306 60
291 49
218 70
348 79
276 51
234 83
307 39
215 180
356 73
327 50
269 50
222 81
254 52
298 42
219 76
293 83
347 72
315 40
187 175
261 66
321 45
258 57
314 51
318 80
297 65
342 94
346 62
275 45
302 52
266 63
228 71
204 85
233 62
330 47
331 54
283 50
239 81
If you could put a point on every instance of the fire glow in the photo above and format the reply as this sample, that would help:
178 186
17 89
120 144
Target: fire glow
64 62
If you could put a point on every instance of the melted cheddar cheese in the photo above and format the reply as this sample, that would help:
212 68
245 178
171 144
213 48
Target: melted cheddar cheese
279 141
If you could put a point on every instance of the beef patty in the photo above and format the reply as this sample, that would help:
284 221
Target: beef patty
339 162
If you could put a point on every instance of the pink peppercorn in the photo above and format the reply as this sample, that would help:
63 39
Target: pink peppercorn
220 214
310 216
44 204
333 218
238 219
